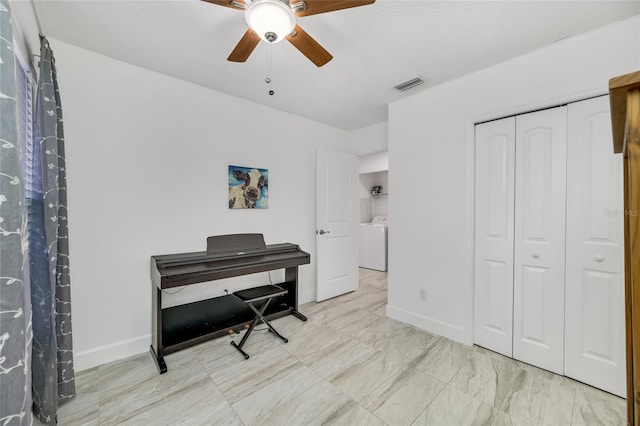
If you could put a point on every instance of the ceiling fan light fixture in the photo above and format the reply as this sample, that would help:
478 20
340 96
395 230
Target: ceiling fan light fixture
271 20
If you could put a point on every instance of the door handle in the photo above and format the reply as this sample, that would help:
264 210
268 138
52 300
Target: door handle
322 232
535 255
598 258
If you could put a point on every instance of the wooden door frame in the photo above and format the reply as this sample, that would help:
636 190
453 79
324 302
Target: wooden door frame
624 92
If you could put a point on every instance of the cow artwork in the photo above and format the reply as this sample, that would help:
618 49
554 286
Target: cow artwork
248 188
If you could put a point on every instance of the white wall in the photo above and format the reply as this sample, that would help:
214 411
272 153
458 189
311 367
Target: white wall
431 149
368 140
380 203
374 170
147 160
371 205
373 163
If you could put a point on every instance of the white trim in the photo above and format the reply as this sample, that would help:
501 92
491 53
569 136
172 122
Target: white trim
519 109
306 297
432 325
469 230
84 360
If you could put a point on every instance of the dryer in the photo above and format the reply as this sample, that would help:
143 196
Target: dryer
373 244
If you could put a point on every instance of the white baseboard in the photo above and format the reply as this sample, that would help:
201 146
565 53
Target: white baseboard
306 297
432 325
84 360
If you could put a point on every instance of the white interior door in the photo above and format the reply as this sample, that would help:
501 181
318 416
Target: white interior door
336 224
494 212
595 322
538 323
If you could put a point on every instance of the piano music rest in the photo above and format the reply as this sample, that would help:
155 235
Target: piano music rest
251 296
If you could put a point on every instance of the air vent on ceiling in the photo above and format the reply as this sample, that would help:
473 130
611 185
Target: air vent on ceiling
409 84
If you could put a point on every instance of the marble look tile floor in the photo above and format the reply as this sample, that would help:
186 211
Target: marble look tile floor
348 365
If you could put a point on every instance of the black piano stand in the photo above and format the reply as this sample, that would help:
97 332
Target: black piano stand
162 366
252 295
299 315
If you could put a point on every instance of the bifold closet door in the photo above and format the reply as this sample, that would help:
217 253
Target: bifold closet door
539 263
595 322
494 213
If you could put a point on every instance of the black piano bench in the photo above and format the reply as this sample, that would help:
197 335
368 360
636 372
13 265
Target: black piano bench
257 294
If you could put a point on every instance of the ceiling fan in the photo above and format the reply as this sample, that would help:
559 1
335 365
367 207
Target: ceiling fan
275 20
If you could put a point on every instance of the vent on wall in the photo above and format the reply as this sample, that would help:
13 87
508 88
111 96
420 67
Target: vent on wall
409 84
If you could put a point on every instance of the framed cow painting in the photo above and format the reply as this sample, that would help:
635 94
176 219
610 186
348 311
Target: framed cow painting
248 188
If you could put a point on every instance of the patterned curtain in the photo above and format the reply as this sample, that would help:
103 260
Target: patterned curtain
15 315
52 372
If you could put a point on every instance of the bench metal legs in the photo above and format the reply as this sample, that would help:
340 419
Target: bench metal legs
259 317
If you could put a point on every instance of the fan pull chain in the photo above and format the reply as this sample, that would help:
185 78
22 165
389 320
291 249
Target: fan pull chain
269 69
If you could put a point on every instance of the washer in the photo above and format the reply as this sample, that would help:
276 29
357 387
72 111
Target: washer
373 244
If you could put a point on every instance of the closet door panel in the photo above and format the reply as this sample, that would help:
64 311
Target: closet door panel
494 210
539 262
595 328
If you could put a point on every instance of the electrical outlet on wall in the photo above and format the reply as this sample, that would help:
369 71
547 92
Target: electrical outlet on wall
423 294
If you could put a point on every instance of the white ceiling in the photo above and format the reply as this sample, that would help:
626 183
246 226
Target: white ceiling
375 47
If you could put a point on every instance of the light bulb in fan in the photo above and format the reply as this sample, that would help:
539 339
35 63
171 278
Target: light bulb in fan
271 20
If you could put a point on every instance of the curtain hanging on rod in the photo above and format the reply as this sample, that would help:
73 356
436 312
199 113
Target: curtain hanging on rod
52 371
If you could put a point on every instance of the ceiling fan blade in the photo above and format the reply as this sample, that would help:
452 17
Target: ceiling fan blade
309 47
313 7
234 4
245 46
